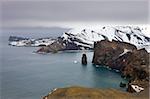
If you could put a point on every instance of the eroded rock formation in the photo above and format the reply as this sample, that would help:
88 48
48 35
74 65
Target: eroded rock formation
84 59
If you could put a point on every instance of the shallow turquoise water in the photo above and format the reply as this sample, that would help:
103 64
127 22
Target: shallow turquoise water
25 75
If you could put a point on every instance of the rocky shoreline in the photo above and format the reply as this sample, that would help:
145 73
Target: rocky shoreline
118 55
133 64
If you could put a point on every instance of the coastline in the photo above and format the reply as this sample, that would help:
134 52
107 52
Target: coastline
121 53
118 56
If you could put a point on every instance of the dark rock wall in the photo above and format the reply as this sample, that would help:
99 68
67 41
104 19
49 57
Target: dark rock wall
133 64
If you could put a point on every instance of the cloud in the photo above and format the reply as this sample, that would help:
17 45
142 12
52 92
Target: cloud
31 13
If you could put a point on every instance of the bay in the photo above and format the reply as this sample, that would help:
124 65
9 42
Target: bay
26 75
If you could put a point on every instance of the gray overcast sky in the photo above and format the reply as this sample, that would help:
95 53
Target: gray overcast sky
36 13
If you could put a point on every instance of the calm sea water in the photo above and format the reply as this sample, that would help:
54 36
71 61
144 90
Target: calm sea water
25 75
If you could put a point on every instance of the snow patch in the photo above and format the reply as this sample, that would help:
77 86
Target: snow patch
137 88
125 51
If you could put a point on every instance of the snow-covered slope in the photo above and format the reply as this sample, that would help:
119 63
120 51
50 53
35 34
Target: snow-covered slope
87 37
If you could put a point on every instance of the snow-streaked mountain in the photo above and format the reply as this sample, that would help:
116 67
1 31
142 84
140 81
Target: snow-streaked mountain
21 41
86 37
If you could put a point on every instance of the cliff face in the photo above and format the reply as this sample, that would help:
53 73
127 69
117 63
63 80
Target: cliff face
132 63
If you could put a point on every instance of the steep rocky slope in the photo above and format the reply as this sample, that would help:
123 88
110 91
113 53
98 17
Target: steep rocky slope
133 64
121 56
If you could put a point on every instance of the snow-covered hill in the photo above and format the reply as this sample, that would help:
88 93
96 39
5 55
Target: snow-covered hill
85 38
21 41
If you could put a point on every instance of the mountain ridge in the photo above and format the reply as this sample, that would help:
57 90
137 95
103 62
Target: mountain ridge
84 38
87 37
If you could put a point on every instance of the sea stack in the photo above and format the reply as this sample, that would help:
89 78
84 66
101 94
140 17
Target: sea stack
84 59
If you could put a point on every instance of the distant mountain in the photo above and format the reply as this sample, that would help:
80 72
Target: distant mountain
78 39
21 41
85 38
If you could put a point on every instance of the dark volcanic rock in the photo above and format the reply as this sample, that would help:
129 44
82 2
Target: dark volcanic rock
122 84
130 89
113 54
54 47
59 45
71 46
84 59
15 38
132 63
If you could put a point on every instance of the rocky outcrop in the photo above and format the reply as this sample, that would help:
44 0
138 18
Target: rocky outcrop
54 47
132 63
84 59
122 84
138 86
16 38
59 45
121 56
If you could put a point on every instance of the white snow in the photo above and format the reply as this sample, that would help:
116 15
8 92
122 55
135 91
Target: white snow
18 43
137 88
118 33
45 42
125 51
13 43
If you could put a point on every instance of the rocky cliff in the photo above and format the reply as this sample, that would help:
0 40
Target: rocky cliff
132 63
121 56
